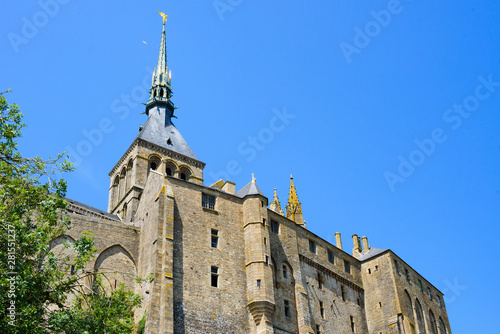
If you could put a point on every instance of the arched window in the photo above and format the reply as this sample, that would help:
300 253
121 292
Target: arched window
432 320
130 163
124 171
442 327
154 162
116 181
184 173
420 318
409 307
170 168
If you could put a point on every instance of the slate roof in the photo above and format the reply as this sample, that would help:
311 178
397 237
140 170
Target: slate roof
249 189
91 208
371 253
160 130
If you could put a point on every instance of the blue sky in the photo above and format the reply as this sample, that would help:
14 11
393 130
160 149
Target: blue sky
385 112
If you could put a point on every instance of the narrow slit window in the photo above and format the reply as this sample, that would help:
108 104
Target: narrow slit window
215 238
215 277
312 246
331 257
347 266
321 310
287 308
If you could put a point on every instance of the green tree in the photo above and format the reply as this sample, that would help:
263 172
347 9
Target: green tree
35 283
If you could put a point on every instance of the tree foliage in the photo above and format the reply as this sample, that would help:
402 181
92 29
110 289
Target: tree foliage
36 284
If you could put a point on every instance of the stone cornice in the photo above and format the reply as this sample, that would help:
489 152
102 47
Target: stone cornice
330 273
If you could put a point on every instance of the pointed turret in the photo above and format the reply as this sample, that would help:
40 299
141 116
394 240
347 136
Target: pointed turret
294 207
159 128
161 91
275 205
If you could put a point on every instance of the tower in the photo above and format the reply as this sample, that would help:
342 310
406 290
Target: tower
159 146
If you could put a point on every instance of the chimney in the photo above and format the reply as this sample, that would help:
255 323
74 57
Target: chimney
338 240
229 187
356 251
366 247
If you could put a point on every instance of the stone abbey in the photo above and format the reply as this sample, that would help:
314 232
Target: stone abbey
228 261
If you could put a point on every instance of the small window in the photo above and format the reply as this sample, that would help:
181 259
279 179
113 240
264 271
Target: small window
318 329
376 268
429 292
215 238
275 227
72 270
396 266
342 292
285 271
267 260
312 246
265 241
331 257
258 283
154 162
264 221
321 310
287 308
369 271
439 301
347 266
353 327
215 276
420 286
208 201
320 281
407 274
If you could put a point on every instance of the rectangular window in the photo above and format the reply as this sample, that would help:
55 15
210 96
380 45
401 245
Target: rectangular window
72 270
264 221
312 246
275 227
267 260
321 310
439 302
265 241
320 281
285 271
396 266
287 308
347 267
318 329
369 271
215 276
353 327
215 238
331 257
420 286
258 283
407 274
208 201
342 292
429 293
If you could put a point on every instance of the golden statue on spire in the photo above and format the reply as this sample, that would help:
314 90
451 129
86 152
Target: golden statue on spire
164 16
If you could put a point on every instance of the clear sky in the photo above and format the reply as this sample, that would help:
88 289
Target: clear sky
385 112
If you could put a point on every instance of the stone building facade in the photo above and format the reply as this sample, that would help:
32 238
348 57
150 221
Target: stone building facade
227 261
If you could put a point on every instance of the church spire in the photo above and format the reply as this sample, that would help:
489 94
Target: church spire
294 207
161 91
275 205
